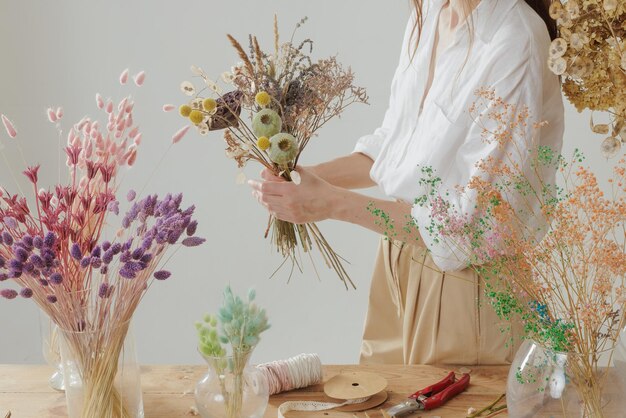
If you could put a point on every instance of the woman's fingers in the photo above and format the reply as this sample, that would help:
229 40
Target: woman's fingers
267 174
270 187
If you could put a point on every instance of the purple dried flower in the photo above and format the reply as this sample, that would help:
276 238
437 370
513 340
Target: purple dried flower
75 251
3 277
146 258
49 239
7 238
146 244
191 228
125 257
15 264
15 274
2 262
134 266
127 273
106 245
48 256
125 223
127 245
10 222
51 298
137 253
56 278
131 195
43 282
96 252
37 242
28 241
36 261
116 248
193 241
104 270
114 207
162 274
8 293
28 267
26 293
105 290
84 263
20 254
96 262
107 257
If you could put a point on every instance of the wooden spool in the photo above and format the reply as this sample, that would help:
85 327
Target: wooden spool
357 385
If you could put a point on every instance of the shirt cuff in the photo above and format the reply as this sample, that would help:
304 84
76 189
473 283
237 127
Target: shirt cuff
369 145
443 254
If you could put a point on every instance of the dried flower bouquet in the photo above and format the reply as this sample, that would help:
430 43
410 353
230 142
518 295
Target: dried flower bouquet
54 252
289 97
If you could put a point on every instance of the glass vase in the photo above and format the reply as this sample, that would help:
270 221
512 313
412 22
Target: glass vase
102 376
51 349
232 388
546 383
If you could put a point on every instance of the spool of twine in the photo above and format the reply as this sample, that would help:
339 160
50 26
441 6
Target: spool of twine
347 391
293 373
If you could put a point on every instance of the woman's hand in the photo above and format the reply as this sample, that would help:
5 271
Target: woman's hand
309 201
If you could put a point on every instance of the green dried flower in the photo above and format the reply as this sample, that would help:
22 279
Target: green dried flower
266 123
283 148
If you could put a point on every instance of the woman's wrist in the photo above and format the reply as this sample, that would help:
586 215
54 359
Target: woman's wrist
343 202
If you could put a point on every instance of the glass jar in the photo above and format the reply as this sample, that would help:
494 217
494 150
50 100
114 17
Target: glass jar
232 388
52 351
102 376
546 383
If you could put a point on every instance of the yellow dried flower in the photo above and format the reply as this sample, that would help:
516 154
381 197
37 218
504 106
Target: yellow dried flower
184 110
196 116
209 104
263 98
263 143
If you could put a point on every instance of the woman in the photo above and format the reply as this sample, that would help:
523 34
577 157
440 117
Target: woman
426 306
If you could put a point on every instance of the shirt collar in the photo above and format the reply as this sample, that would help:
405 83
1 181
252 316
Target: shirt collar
485 19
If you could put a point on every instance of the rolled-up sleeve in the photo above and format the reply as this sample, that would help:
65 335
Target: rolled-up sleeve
521 83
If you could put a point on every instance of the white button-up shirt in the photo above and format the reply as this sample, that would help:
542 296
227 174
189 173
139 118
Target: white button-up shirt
508 47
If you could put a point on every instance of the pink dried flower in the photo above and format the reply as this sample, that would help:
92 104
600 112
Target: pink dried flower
168 107
59 112
31 173
8 293
26 293
8 126
133 133
52 116
124 77
180 134
99 101
139 78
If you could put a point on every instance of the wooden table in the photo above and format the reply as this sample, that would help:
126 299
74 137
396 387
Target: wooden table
168 391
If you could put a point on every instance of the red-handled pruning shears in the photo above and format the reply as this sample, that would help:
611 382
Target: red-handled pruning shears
432 396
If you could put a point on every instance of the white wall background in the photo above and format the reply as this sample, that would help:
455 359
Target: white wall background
63 52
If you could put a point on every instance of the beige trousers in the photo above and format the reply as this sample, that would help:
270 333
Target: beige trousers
420 315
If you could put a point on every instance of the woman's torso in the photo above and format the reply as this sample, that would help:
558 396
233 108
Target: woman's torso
442 134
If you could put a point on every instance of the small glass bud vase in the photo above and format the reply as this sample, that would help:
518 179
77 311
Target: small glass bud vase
232 388
102 376
546 383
